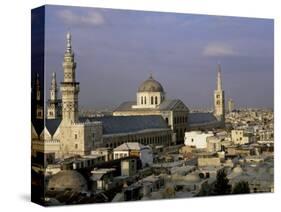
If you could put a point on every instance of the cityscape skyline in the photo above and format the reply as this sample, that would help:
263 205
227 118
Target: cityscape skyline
118 132
246 63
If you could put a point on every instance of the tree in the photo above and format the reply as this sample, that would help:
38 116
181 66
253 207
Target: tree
222 185
241 187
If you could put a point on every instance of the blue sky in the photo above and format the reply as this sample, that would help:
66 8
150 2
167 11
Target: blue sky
116 50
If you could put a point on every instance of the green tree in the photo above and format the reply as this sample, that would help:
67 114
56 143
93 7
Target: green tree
222 185
241 187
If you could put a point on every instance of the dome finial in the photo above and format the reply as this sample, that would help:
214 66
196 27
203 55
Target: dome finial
150 76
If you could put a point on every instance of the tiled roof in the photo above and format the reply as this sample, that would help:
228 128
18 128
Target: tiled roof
201 118
126 124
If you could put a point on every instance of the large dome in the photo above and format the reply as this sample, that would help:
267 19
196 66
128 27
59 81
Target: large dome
68 179
150 85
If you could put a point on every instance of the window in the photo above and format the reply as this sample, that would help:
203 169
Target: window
218 102
156 100
218 96
75 136
167 120
141 100
145 100
76 146
151 100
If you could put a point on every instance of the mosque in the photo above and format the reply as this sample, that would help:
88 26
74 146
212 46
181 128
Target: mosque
152 119
151 100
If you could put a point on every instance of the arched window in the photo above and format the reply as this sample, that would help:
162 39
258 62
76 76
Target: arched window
156 100
151 100
141 100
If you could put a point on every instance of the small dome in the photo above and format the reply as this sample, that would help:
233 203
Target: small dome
67 180
150 85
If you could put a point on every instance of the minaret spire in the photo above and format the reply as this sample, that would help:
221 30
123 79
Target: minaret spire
53 109
68 43
38 96
39 107
219 81
53 90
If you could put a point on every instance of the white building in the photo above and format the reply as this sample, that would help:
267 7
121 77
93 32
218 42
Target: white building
134 149
197 139
240 137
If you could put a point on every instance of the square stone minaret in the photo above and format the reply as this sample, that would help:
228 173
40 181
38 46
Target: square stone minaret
219 105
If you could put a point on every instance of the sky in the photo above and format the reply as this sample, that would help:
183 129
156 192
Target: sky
116 50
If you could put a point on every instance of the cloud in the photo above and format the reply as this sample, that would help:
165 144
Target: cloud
90 18
219 49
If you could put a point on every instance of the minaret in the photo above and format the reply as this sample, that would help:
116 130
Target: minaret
39 107
53 89
231 105
69 87
219 105
37 87
53 103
